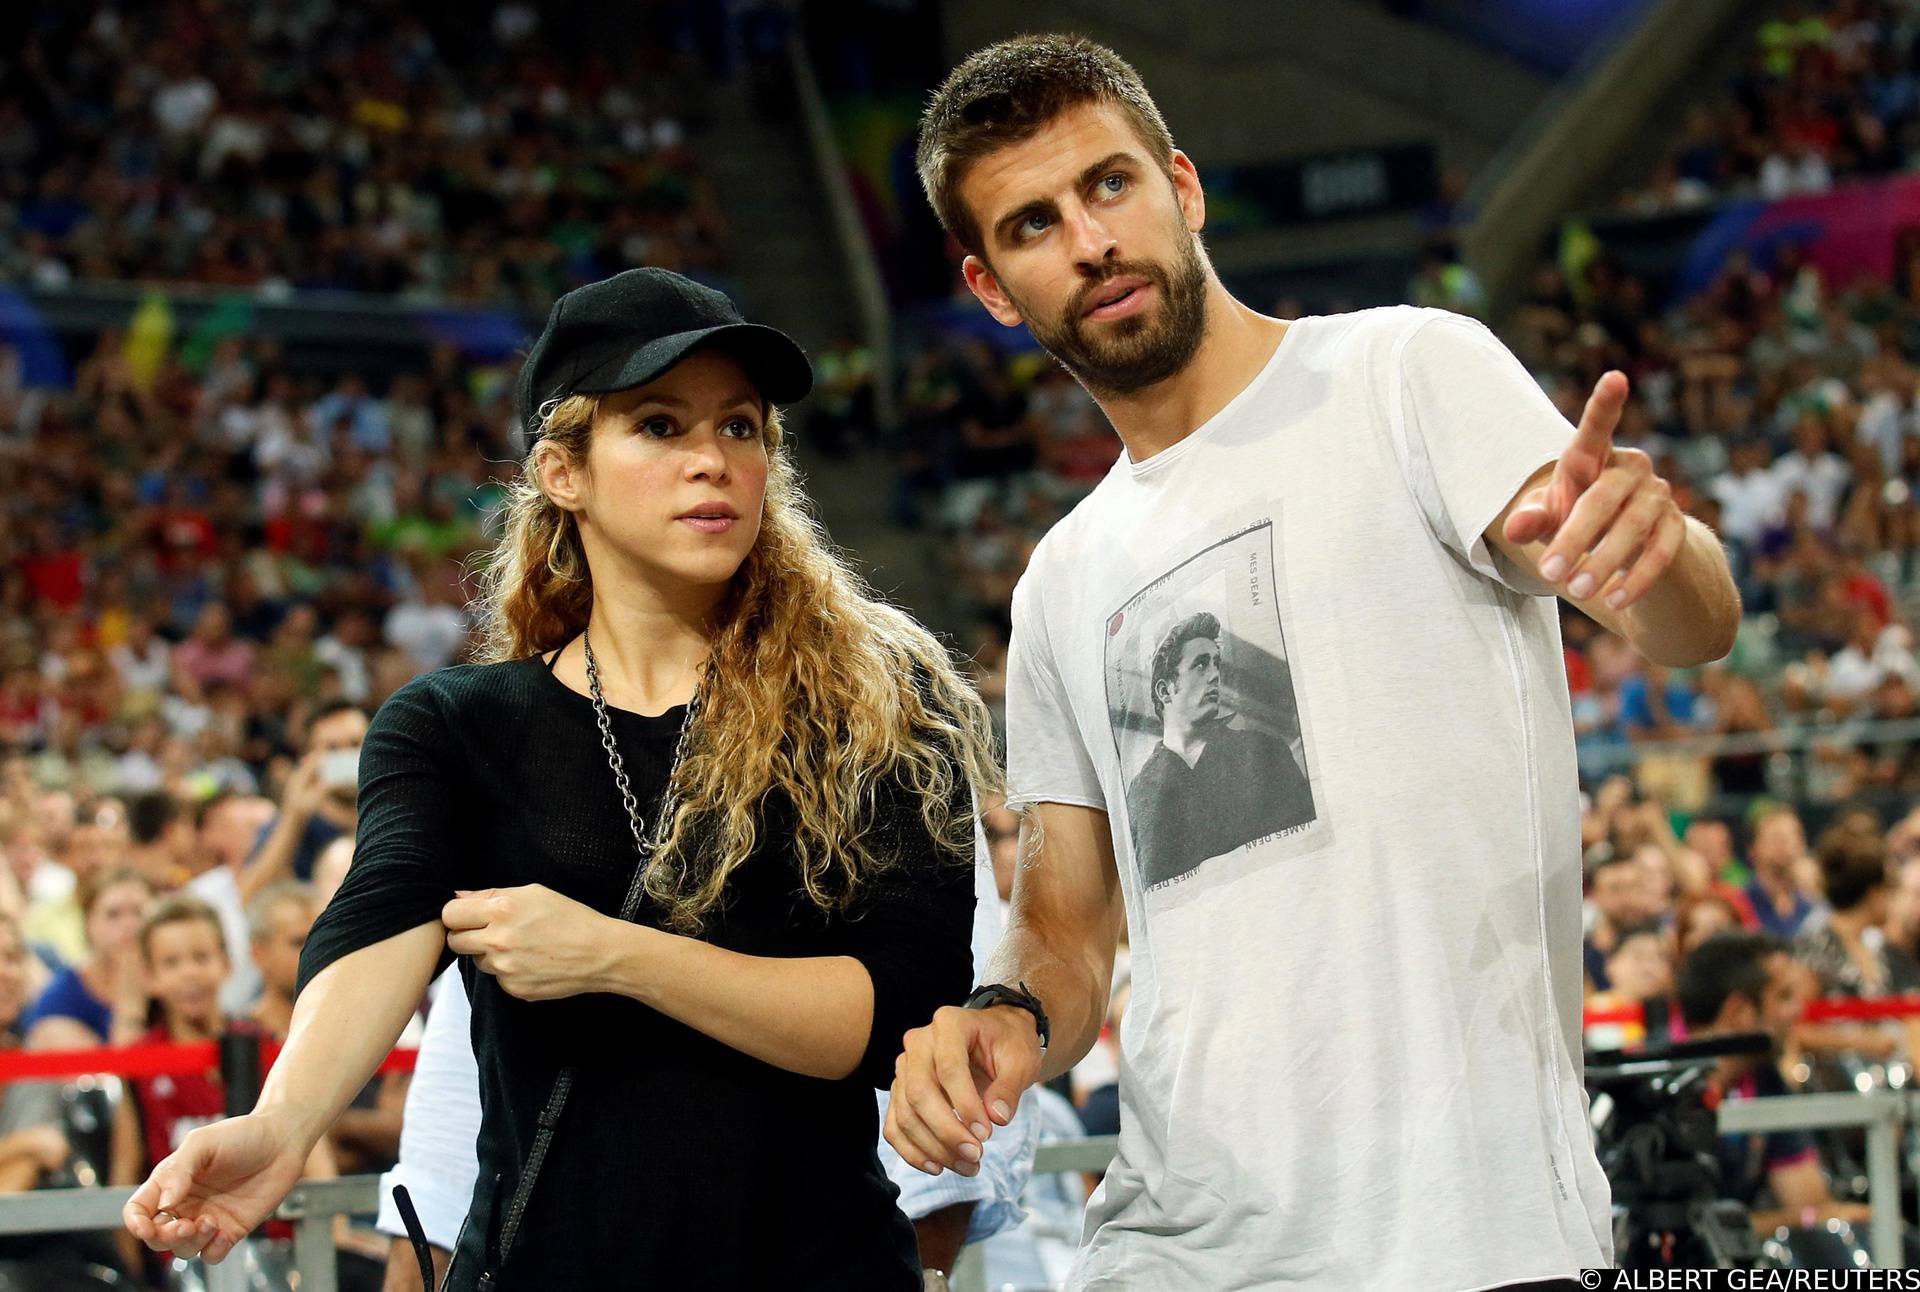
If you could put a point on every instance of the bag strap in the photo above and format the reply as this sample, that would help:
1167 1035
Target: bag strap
549 1119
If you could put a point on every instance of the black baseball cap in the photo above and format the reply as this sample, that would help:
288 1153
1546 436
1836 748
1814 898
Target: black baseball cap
624 331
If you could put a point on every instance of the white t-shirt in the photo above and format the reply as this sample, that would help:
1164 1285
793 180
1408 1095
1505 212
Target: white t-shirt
1352 1056
220 889
1823 479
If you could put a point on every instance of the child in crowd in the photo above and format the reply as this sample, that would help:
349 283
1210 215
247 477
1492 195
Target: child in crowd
185 955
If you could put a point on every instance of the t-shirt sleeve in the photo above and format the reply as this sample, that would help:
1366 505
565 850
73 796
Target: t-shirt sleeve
402 871
1471 426
1047 759
913 927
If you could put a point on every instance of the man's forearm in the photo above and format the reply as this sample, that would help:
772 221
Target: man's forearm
1690 616
1073 990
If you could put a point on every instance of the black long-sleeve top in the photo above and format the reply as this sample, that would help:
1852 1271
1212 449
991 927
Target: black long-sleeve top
679 1162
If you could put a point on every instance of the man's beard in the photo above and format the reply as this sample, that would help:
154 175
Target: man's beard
1135 352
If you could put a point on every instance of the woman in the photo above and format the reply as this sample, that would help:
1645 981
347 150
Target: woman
32 1145
673 656
104 998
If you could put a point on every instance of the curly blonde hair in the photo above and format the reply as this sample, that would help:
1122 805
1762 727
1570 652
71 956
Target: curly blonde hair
814 688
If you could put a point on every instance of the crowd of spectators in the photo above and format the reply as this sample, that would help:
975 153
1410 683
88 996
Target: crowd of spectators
378 147
1830 92
214 565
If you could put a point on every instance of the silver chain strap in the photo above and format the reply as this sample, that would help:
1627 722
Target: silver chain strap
645 846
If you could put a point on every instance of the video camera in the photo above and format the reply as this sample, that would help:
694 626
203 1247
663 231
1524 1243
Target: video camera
1657 1139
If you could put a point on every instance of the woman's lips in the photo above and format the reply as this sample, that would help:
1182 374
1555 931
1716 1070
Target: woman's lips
710 524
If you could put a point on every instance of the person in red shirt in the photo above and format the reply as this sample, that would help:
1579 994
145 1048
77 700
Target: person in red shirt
185 954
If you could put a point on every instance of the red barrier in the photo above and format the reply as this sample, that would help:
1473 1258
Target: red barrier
1828 1010
153 1059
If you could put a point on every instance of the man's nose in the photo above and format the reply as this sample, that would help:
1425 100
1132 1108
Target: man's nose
1092 243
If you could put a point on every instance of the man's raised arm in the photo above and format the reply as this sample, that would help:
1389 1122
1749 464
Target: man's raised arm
1604 530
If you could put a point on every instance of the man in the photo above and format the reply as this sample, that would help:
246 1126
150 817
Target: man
1746 982
226 825
1779 842
1207 787
1352 1054
1618 893
318 804
277 924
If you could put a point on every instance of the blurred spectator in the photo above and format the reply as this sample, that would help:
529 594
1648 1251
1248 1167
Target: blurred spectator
1617 894
1846 947
32 1145
318 802
1779 844
180 945
103 998
1742 982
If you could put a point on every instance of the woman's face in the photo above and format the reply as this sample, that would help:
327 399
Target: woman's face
113 923
678 476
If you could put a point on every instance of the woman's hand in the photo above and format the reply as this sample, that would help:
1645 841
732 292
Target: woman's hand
537 943
221 1182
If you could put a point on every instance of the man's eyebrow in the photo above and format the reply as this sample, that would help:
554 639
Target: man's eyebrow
1041 205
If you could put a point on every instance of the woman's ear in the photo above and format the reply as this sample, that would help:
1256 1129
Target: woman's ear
559 478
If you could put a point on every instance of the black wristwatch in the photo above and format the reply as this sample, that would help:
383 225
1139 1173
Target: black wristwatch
998 993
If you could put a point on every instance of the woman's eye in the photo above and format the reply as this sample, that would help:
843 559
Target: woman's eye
742 429
659 427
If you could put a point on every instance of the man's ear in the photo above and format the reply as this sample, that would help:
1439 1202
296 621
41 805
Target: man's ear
559 478
1739 1014
1187 190
985 285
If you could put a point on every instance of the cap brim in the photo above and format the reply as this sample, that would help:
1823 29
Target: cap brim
776 366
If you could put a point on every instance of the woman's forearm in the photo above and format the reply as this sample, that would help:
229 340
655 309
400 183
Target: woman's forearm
811 1015
343 1025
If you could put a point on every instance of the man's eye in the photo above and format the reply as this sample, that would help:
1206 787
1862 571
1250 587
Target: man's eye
1033 224
1114 183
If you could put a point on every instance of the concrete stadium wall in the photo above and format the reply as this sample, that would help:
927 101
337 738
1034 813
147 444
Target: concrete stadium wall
1244 81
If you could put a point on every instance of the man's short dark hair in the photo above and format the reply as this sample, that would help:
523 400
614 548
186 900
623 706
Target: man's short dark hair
326 709
1853 863
1638 929
1733 962
1007 93
1607 861
149 815
1166 658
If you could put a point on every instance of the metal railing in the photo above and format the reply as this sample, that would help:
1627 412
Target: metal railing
313 1204
1880 1112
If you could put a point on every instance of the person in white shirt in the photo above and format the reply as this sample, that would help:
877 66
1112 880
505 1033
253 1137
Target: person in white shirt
1813 470
1352 1058
1751 497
